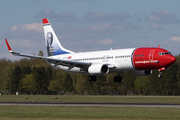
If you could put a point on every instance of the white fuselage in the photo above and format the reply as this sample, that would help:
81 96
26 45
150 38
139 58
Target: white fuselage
120 59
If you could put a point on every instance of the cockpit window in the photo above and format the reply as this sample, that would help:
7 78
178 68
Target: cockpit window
167 53
164 53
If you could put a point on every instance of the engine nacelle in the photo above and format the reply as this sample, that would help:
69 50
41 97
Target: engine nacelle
142 72
98 69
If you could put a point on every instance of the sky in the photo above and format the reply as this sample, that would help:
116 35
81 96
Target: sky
90 25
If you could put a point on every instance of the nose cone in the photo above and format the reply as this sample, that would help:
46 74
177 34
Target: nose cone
172 59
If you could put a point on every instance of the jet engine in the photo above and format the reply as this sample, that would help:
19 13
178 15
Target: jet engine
142 72
98 69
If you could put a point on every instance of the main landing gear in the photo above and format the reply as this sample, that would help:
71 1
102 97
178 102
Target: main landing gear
117 79
92 78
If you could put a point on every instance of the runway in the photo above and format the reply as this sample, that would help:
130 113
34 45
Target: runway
137 105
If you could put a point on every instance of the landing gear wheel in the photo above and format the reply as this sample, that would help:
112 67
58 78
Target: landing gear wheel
92 78
160 75
117 79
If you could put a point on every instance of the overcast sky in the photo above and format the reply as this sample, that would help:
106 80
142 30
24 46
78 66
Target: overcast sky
88 25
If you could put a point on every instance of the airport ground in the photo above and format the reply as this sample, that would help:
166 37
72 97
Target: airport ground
21 112
90 99
49 112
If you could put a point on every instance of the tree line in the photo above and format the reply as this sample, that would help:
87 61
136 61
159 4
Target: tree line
35 76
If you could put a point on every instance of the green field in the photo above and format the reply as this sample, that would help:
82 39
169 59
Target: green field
37 113
88 113
90 99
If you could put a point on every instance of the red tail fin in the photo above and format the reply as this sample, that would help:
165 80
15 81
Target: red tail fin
45 21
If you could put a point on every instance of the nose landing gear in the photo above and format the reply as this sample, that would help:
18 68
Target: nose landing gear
160 75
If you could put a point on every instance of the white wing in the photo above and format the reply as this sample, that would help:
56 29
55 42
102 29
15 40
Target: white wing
55 61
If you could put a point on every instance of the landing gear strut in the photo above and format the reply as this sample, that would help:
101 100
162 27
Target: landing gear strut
160 74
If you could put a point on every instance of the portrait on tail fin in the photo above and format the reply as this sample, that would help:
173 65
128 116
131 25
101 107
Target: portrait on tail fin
53 44
49 41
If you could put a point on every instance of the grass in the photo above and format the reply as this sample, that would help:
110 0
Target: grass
88 113
47 113
90 99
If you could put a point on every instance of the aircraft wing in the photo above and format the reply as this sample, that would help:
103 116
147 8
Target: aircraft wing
55 61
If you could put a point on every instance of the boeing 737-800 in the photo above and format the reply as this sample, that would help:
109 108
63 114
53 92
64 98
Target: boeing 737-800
141 61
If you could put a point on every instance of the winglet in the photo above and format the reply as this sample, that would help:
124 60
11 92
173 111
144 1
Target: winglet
9 48
45 21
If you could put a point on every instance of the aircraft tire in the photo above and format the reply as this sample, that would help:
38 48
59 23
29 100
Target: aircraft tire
119 79
115 79
92 78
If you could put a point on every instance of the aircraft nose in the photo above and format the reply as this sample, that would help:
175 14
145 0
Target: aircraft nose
172 59
169 60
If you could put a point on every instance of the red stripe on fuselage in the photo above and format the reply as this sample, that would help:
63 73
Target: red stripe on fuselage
149 58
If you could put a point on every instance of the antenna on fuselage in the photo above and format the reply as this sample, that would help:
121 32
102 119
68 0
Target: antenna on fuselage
159 46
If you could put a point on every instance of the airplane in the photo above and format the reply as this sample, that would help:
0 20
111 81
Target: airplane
141 61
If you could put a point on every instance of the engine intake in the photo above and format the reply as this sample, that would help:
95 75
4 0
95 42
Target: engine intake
98 69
